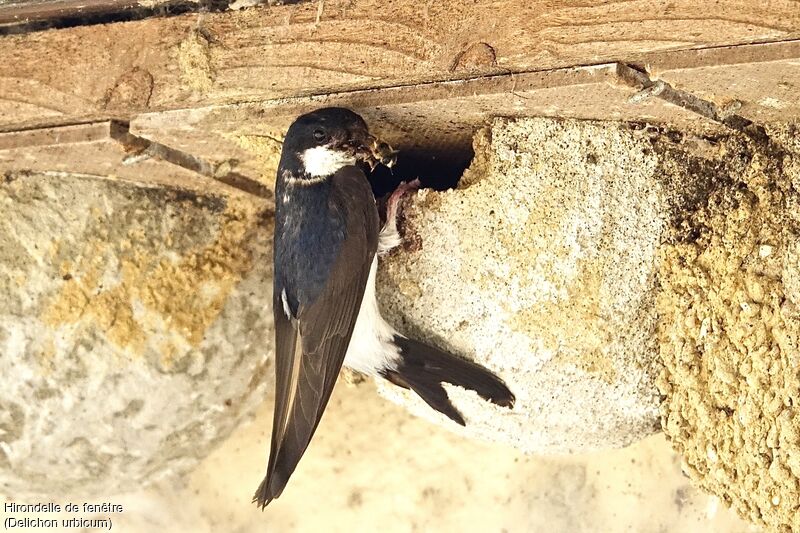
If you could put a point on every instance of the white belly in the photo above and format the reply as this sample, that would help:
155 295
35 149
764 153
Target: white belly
371 348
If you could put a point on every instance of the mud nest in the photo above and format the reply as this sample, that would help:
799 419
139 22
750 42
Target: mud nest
729 333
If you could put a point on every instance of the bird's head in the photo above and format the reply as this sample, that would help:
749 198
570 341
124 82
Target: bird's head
323 141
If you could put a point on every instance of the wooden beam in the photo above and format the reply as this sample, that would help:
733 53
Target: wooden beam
118 70
759 82
437 118
19 11
441 117
107 150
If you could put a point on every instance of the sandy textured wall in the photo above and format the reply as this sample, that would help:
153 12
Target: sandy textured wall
133 336
729 332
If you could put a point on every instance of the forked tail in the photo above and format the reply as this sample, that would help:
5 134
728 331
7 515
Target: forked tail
423 369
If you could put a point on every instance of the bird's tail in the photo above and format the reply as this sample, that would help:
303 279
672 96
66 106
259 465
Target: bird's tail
423 369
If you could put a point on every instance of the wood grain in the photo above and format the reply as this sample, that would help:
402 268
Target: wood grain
31 10
286 51
101 149
438 118
441 117
762 83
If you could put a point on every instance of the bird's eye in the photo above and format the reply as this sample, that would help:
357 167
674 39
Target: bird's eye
319 134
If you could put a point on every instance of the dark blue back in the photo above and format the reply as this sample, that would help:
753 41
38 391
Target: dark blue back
309 233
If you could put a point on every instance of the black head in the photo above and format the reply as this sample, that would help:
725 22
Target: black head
320 142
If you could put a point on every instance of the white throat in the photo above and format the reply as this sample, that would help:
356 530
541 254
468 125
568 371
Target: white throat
322 161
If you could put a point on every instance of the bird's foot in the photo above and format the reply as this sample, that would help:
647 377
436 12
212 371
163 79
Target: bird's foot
389 237
393 204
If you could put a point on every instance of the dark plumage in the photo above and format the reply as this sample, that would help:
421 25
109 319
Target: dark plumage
326 234
326 240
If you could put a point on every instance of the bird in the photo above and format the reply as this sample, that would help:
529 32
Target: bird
327 239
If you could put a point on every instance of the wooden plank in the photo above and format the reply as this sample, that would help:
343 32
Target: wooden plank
103 149
288 51
441 117
761 83
79 133
438 119
37 10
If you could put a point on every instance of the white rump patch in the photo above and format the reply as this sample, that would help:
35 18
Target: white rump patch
322 161
371 348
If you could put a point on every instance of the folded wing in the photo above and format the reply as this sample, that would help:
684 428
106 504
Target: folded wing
310 347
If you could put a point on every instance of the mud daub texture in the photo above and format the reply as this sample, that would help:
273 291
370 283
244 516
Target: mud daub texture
729 331
132 331
542 265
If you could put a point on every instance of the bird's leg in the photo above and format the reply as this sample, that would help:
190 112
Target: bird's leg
389 236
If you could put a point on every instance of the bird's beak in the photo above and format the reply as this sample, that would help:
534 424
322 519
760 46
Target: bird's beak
374 152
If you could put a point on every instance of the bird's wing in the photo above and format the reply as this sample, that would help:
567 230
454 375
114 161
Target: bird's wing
310 348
